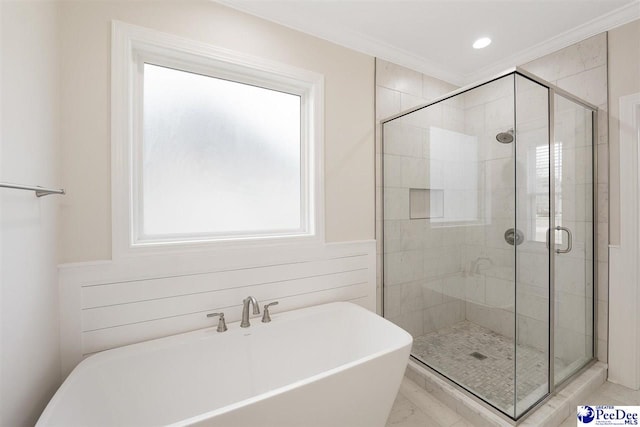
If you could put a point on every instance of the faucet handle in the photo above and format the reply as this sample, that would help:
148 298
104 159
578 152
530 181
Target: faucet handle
266 317
222 325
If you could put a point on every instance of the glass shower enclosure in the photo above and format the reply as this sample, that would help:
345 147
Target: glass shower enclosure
488 241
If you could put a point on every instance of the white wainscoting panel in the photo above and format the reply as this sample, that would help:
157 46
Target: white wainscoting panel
109 304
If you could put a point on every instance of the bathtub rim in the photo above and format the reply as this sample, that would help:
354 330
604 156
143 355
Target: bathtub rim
404 340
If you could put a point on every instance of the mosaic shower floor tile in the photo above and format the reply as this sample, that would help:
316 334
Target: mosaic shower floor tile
484 362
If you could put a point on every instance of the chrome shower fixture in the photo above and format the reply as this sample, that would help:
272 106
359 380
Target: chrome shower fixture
505 137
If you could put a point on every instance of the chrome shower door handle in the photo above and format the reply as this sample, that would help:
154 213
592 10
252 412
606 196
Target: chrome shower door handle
569 241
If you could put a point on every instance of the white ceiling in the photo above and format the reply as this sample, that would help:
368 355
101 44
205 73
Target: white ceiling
435 36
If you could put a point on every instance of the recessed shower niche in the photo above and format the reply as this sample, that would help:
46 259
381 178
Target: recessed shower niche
425 203
488 237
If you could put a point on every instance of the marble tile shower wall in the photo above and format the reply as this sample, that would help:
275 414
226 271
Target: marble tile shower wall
413 284
489 269
432 270
488 260
581 69
419 298
438 274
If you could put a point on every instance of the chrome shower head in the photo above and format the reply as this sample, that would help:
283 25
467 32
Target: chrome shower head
505 137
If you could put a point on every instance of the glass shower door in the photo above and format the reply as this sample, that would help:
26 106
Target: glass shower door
448 271
573 252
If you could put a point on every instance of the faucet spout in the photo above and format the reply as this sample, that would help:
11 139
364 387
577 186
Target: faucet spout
477 262
245 310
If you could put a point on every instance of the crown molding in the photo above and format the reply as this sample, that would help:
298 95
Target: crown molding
374 47
361 43
399 56
609 21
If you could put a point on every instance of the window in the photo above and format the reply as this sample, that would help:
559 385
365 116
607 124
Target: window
539 190
218 157
210 146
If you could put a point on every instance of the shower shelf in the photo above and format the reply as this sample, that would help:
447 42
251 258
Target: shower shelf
40 191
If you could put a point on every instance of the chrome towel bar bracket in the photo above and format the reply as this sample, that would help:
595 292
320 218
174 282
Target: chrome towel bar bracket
40 191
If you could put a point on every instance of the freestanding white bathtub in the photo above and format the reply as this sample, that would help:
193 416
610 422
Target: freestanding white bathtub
332 365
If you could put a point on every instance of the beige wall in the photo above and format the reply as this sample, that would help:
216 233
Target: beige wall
29 346
85 51
624 79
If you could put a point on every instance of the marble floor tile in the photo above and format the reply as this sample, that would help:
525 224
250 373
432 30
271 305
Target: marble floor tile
569 422
405 414
415 407
619 393
429 404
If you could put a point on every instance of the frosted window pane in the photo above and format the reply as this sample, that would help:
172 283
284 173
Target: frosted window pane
218 157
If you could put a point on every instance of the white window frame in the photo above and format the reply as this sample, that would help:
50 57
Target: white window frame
132 46
532 161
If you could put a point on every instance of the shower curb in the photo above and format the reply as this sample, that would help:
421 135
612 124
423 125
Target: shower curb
550 414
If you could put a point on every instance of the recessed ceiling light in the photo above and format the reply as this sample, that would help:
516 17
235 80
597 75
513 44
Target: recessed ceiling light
482 43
